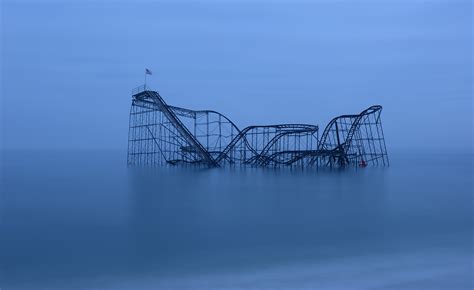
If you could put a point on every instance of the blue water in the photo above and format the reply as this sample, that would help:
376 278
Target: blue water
83 220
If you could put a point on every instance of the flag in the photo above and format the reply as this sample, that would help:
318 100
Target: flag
148 72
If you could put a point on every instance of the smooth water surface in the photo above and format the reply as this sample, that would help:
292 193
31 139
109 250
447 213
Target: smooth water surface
83 220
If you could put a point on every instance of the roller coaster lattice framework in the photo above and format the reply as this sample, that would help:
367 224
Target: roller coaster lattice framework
161 134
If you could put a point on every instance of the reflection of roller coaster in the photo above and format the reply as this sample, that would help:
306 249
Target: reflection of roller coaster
164 134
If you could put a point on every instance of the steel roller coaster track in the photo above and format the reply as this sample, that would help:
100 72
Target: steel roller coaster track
161 134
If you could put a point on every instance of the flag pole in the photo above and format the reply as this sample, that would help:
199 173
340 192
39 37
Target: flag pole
147 72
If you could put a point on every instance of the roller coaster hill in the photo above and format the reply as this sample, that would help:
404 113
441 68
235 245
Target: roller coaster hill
161 134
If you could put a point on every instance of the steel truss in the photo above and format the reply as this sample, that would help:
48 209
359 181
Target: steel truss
161 134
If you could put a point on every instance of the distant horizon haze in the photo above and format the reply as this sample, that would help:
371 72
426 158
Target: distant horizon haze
68 68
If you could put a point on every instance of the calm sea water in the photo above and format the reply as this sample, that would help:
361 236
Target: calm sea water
83 220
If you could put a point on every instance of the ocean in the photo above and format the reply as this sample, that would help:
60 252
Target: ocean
84 220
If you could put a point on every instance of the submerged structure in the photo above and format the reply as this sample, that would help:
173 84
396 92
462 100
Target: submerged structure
162 134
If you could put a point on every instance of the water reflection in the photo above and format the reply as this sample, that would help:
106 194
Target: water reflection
90 221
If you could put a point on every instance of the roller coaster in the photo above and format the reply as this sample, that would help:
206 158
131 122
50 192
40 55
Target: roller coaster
161 134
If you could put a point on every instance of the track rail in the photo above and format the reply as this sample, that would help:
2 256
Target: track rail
180 127
158 132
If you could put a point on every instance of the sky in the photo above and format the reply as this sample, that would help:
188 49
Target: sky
68 67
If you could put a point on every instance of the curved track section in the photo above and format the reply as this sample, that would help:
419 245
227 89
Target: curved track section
258 145
353 140
163 134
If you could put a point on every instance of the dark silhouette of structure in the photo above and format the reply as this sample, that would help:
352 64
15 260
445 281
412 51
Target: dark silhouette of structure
162 134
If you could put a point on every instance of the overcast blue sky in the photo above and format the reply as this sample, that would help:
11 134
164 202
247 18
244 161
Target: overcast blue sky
68 66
